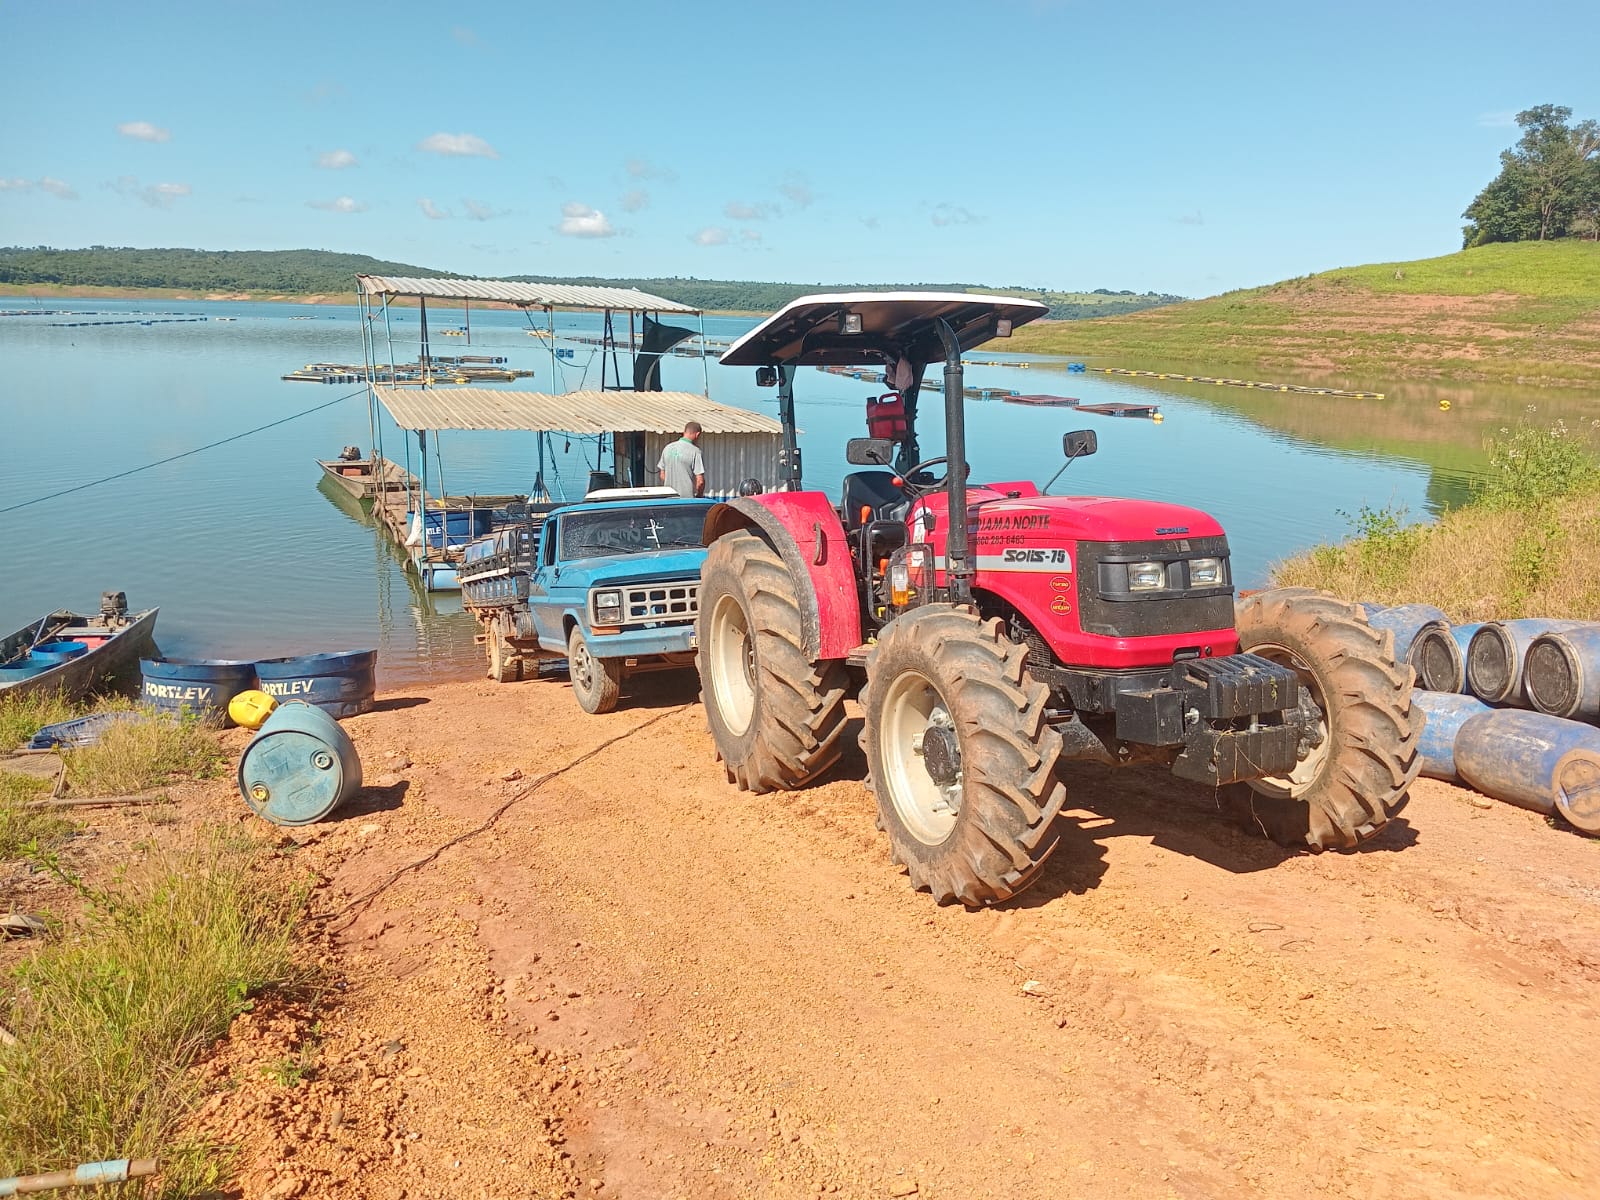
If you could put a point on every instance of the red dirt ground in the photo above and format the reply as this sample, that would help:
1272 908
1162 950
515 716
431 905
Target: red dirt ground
639 982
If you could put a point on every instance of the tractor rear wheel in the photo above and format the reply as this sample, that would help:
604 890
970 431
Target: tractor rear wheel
596 682
1343 792
775 715
960 757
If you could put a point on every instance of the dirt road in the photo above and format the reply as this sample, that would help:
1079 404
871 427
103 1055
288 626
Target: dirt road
639 982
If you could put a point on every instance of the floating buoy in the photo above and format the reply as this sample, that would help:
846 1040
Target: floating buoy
1444 406
250 708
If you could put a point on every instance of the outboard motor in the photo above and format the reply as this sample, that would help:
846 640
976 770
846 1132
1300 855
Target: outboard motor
114 607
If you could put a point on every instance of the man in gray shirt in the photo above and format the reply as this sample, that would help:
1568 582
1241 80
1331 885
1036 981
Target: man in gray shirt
682 468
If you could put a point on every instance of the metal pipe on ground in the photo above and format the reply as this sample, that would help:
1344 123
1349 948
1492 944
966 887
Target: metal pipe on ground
1446 713
1535 761
1561 674
1496 654
1439 655
118 1170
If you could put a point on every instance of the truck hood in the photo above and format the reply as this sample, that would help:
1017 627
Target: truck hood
649 566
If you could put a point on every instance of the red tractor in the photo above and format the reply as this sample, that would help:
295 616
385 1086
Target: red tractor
1029 630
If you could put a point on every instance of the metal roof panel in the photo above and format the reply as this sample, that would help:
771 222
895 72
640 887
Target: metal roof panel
538 295
569 412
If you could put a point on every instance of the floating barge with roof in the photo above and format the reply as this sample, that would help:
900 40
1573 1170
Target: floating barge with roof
631 415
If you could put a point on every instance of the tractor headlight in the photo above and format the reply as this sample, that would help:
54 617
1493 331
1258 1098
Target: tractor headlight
1205 572
1147 576
607 604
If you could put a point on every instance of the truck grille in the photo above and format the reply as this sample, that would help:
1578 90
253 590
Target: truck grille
645 604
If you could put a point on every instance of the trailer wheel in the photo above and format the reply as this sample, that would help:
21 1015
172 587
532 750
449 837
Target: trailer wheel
960 757
505 664
1344 791
596 682
775 715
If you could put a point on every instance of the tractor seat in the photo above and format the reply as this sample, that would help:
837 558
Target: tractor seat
875 490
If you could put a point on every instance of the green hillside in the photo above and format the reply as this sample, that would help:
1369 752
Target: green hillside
1527 312
322 273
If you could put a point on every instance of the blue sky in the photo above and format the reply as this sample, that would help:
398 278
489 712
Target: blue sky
1189 148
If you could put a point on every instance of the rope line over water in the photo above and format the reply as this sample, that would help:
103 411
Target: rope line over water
185 454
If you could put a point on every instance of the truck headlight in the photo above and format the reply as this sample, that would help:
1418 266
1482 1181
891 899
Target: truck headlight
1205 572
1147 576
608 603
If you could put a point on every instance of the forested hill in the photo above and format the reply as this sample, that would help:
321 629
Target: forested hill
323 272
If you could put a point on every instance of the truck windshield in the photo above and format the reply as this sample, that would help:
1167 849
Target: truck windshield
632 529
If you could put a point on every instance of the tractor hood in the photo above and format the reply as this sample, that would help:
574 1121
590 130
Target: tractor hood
1081 518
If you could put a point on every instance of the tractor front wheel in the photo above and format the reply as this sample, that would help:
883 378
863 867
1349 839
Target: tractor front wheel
596 682
1343 792
960 757
775 715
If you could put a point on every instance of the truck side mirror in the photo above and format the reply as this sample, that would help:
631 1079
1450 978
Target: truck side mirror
766 376
1078 443
868 452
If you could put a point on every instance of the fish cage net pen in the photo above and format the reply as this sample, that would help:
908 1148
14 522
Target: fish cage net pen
160 462
357 906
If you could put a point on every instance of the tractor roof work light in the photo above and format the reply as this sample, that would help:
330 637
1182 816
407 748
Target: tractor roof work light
1002 327
850 322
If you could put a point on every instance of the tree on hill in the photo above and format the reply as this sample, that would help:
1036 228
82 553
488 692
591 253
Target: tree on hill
1548 186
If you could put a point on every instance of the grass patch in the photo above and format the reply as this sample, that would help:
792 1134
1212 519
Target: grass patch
1524 548
110 1017
134 755
23 716
20 825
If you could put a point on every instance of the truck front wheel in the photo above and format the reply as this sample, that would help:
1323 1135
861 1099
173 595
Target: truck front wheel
960 757
596 682
775 715
1342 793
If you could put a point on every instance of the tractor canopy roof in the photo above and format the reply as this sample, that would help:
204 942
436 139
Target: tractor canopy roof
884 327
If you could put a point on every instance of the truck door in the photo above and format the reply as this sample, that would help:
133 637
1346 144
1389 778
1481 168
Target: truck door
546 617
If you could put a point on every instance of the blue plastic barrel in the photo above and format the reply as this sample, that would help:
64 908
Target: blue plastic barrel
26 668
341 684
1561 673
200 686
454 527
1439 655
51 653
1535 761
1405 622
299 767
1446 712
1495 656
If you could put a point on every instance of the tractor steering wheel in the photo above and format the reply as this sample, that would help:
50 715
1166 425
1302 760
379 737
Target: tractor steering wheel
914 490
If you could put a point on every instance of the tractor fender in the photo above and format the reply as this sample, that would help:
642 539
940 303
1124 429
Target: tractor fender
805 531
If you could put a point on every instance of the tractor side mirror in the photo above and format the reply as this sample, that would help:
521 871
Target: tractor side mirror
1078 443
766 376
868 452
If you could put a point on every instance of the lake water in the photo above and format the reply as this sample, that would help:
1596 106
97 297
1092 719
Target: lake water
248 555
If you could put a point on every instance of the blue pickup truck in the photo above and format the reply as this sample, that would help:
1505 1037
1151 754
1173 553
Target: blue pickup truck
610 585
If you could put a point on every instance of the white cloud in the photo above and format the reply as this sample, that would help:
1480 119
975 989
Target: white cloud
143 131
750 235
1195 218
458 145
954 214
55 187
481 212
711 235
797 190
466 36
635 199
431 211
738 210
1498 120
870 222
579 220
639 168
336 160
344 204
156 195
